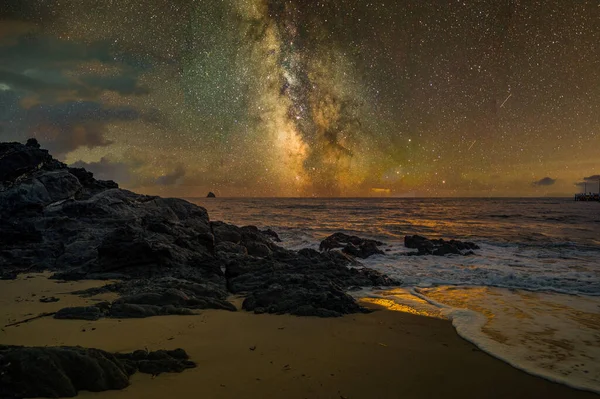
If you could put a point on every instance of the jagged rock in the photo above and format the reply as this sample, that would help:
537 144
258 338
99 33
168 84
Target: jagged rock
64 371
438 247
352 245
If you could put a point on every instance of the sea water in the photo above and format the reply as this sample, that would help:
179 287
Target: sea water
530 296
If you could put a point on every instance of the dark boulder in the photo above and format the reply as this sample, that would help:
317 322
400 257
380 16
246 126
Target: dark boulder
438 247
308 299
352 245
64 371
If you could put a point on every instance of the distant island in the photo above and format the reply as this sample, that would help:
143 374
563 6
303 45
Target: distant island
211 195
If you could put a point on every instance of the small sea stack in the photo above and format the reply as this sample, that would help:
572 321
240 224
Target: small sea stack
211 195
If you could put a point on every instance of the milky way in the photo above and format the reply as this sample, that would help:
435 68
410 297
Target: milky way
303 98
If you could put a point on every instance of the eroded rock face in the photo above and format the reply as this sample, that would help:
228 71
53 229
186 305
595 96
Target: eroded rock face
439 247
27 372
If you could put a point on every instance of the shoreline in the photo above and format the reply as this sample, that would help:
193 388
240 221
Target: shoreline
384 354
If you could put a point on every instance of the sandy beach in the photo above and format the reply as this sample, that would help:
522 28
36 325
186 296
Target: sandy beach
385 354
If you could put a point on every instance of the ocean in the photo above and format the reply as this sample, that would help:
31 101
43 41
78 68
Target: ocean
530 296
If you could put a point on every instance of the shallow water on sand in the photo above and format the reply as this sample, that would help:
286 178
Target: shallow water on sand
531 296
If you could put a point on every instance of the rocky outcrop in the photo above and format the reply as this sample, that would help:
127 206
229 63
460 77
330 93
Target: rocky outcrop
170 258
439 247
352 245
151 297
211 195
302 283
27 372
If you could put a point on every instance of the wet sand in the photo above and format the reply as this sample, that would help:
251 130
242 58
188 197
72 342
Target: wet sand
385 354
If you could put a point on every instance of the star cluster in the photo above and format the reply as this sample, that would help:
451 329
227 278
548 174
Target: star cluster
309 98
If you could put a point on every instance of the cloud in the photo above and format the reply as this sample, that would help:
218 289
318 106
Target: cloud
107 170
53 70
593 178
23 82
546 181
64 127
54 86
171 178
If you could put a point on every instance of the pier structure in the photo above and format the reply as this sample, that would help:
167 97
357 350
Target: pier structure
588 196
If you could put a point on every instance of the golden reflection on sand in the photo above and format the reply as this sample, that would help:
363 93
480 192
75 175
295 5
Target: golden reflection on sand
398 299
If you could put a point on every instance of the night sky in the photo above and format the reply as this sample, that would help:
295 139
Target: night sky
306 97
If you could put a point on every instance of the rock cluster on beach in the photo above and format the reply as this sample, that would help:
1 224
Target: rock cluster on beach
27 372
168 256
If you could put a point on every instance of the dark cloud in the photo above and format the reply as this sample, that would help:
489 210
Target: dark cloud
171 178
59 70
107 170
20 82
54 86
594 178
64 127
546 181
